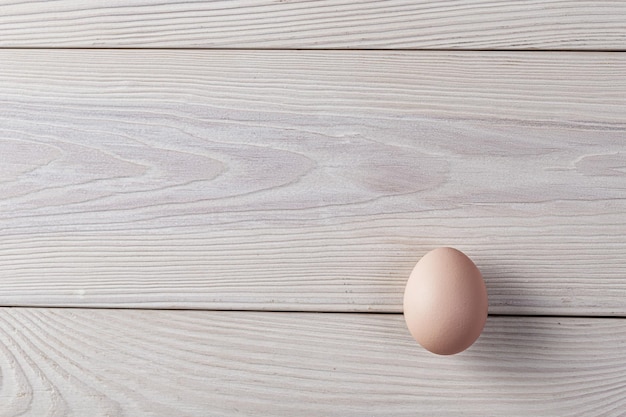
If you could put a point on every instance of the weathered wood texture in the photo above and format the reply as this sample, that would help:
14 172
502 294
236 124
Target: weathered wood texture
73 362
310 180
476 24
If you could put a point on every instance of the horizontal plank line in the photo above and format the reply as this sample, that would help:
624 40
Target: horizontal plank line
287 311
262 49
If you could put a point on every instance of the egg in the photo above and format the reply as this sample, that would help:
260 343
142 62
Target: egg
445 302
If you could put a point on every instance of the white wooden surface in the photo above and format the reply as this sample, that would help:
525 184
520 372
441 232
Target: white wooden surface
288 181
74 362
266 177
474 24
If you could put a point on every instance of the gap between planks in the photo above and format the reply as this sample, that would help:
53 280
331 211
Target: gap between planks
246 49
251 311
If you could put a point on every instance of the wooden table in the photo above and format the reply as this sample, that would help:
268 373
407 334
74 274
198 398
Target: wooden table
211 208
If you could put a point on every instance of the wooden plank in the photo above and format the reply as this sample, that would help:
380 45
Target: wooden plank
391 24
291 181
185 363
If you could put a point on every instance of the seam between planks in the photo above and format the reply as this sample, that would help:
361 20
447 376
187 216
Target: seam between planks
487 50
40 307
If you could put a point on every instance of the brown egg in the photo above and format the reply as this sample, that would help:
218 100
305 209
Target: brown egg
445 302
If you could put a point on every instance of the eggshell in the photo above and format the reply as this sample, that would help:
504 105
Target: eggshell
445 302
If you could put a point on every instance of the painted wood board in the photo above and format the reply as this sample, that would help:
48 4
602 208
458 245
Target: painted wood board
392 24
66 362
310 181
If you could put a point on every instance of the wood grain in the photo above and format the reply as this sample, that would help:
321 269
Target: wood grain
291 181
391 24
73 362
